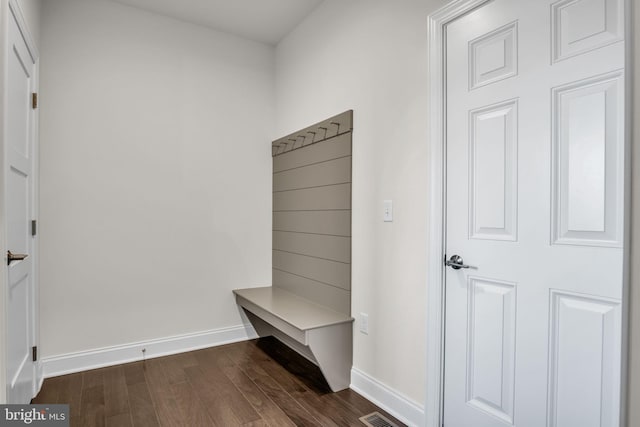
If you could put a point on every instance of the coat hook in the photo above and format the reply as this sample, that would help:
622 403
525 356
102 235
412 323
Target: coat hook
314 136
337 125
325 132
304 138
284 146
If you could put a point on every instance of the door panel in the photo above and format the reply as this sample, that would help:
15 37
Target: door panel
19 211
583 25
493 165
494 56
588 146
584 360
535 146
491 346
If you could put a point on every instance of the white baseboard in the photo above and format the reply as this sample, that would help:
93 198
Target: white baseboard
116 355
39 378
387 398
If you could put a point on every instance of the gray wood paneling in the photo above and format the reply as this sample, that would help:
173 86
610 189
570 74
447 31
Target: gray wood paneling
312 212
337 171
328 247
330 149
334 223
334 197
329 272
329 296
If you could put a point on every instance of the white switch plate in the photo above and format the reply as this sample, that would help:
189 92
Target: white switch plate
388 210
364 323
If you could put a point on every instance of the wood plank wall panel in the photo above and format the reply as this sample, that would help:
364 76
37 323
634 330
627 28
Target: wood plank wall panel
331 198
331 172
329 296
335 248
331 273
331 223
312 212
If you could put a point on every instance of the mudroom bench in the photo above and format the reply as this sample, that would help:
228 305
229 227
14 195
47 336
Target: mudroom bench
322 335
309 305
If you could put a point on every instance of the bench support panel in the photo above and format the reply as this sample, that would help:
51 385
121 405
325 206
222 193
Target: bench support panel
329 347
333 349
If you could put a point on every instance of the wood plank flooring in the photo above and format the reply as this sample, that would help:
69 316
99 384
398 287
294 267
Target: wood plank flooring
254 383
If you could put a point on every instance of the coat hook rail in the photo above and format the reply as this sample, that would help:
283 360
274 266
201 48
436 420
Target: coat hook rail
342 123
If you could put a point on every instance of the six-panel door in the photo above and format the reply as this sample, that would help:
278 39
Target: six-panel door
535 163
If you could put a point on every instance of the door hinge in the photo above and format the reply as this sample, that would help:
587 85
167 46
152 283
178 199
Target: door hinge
34 100
34 353
34 227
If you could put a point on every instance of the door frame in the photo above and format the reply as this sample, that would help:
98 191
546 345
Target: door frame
11 10
437 22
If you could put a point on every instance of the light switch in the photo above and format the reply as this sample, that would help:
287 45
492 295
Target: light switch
388 210
364 323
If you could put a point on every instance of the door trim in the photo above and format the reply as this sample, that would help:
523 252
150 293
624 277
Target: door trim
437 22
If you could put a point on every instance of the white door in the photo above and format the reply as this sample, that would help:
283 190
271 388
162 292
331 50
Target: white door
535 170
19 151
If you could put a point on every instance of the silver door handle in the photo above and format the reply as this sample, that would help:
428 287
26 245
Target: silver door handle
15 257
456 262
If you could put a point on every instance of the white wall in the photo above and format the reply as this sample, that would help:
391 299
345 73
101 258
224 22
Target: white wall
155 175
371 55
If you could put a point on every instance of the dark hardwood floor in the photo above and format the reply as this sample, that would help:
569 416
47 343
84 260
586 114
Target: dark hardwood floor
253 383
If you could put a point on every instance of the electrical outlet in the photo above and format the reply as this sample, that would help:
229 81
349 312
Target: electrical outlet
364 323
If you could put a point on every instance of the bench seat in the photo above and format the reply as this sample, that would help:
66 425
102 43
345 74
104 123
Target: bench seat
319 333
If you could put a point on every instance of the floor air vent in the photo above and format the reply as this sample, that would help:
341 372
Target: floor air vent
375 419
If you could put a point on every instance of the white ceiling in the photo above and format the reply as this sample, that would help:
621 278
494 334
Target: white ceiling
266 21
